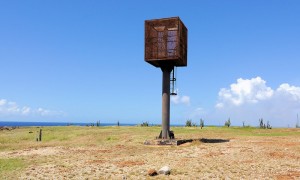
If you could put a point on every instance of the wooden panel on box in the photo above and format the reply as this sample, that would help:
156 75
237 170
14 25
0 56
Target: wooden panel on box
166 42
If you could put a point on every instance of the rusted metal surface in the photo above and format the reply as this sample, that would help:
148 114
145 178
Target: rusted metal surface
166 42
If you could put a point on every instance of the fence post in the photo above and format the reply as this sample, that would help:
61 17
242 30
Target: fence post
40 135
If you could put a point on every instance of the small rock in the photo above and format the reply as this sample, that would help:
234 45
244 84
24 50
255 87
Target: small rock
164 170
147 142
152 172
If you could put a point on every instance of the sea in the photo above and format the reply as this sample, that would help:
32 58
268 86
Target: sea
17 124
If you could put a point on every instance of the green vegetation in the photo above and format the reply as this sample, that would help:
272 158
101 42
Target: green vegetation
98 123
262 125
189 123
18 140
83 136
228 123
145 124
201 123
9 166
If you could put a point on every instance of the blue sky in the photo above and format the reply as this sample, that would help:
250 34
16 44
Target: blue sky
83 61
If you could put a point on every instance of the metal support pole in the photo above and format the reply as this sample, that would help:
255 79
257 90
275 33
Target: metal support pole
166 102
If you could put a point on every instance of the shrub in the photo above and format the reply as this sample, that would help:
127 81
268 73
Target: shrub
228 123
201 123
145 124
98 123
261 123
268 125
188 123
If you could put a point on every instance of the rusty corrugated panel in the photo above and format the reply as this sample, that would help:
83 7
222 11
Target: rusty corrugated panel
166 42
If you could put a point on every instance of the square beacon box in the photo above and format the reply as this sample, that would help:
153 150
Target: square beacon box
166 42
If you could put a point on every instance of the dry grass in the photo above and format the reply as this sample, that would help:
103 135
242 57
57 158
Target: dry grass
118 152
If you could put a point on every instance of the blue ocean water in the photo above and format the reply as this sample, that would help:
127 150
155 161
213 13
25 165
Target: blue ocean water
16 124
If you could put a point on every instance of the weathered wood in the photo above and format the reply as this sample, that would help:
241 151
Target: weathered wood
40 135
166 42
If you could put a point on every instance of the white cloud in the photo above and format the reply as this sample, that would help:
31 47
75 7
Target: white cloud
180 100
244 91
9 108
250 99
197 113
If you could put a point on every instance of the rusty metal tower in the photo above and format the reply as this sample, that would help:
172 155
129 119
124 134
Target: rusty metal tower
166 48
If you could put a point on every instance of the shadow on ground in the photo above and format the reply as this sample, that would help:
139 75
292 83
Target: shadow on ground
204 140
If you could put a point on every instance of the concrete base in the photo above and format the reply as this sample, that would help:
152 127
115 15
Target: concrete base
170 135
177 142
174 142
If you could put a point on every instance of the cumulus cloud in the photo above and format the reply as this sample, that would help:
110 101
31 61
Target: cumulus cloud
253 99
245 91
180 100
9 108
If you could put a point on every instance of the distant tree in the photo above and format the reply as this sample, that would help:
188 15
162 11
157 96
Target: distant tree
98 123
228 123
243 123
261 123
297 124
146 124
201 123
118 124
194 124
268 125
188 123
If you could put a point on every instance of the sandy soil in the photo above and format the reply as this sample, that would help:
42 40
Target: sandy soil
240 158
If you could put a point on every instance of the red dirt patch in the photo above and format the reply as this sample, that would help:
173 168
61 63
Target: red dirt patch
129 163
98 161
291 175
212 154
120 146
93 151
283 155
291 144
277 155
247 161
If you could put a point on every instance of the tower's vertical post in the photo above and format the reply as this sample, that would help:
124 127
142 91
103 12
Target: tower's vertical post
166 102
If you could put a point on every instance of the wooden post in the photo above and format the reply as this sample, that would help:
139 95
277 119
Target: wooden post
37 136
40 135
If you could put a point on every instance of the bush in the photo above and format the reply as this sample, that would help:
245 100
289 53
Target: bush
228 123
262 125
145 124
188 123
268 125
98 123
201 123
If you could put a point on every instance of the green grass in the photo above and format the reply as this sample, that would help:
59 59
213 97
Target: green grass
107 137
97 136
9 167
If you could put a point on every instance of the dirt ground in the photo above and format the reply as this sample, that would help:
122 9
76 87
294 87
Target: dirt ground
242 157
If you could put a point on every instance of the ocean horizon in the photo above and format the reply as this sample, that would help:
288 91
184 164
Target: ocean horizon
37 123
